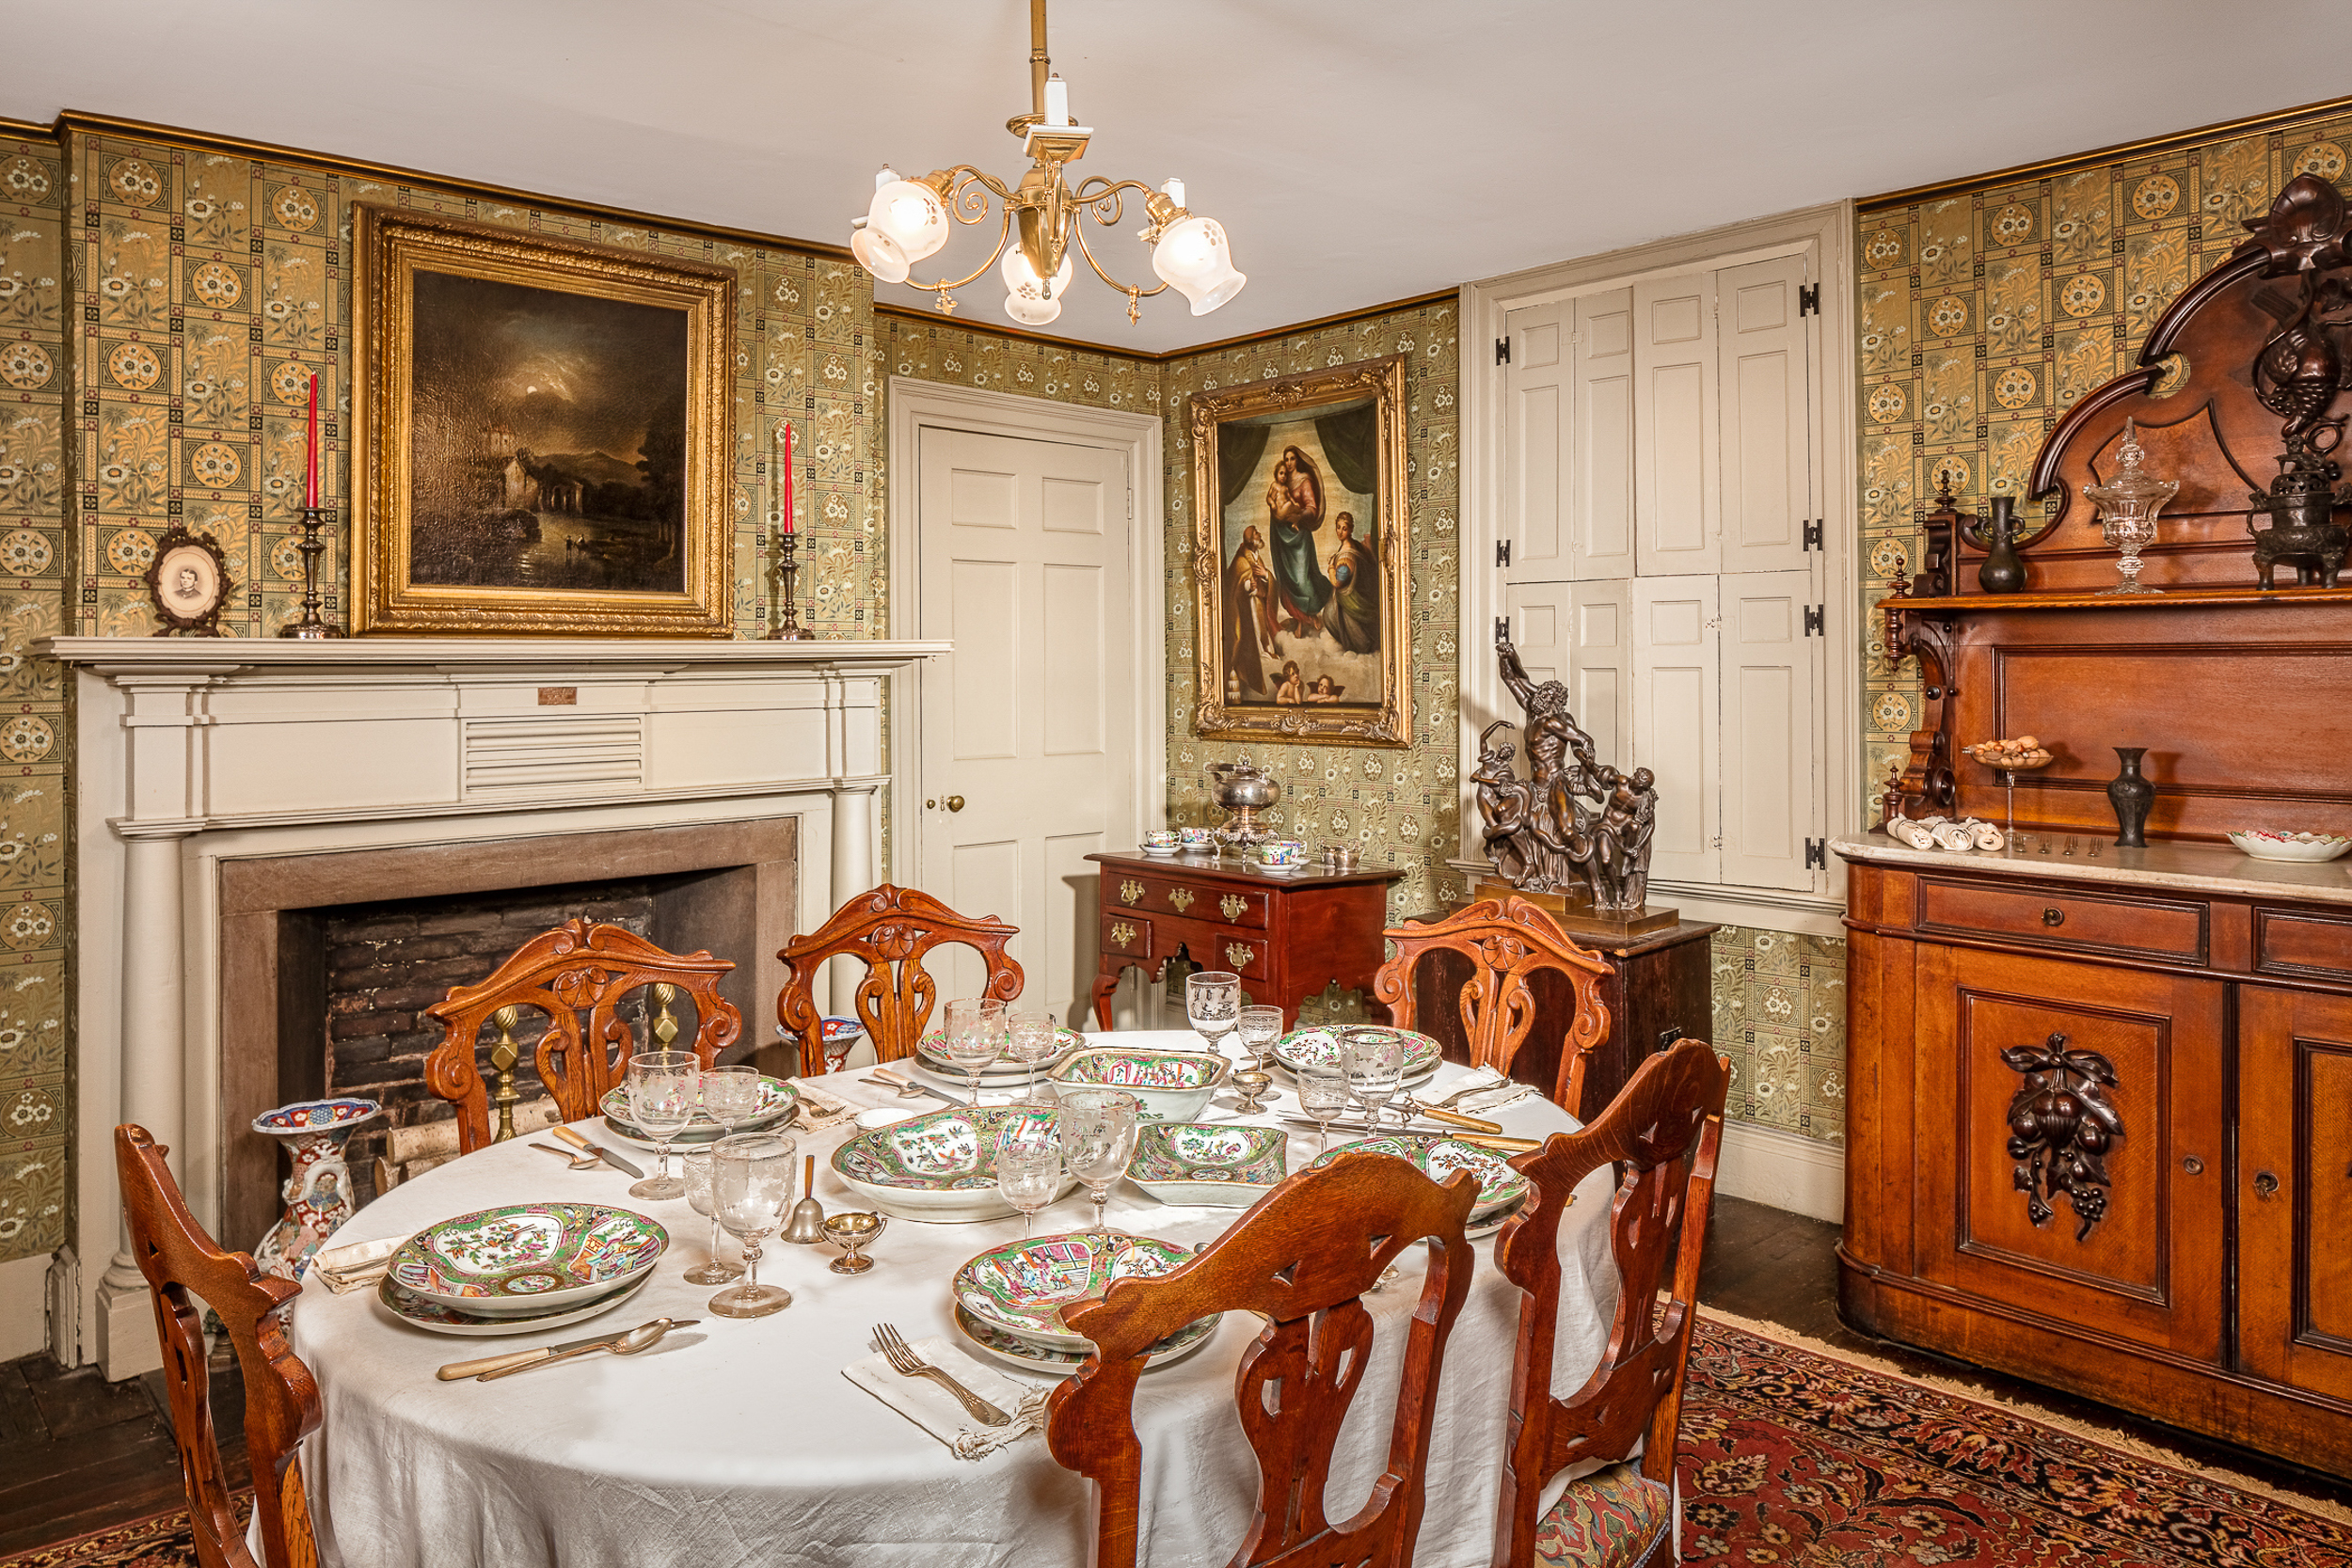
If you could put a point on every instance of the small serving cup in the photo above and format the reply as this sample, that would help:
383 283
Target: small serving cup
1196 840
1161 841
1280 854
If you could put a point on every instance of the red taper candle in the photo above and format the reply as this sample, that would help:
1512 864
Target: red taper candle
311 485
787 476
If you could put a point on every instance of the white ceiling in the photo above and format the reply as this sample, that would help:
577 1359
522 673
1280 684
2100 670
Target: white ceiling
1357 150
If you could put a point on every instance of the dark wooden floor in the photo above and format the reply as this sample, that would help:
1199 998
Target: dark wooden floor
79 1455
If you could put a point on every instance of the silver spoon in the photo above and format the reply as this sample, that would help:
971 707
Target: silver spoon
645 1337
579 1161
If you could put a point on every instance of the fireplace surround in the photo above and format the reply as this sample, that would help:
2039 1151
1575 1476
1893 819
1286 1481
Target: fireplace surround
222 783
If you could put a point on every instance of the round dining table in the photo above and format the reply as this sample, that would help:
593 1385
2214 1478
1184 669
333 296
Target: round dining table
739 1442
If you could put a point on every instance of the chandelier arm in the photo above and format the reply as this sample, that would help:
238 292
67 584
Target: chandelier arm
960 196
1003 228
1084 249
1108 194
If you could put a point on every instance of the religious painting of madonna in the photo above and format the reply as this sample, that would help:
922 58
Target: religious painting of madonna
542 434
1300 558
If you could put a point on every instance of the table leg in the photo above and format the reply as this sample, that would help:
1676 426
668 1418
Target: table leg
1107 969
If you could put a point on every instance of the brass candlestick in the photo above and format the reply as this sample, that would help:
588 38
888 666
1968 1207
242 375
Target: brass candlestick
311 625
787 627
504 1056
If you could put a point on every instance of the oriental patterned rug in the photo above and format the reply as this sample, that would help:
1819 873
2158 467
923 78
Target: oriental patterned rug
1798 1455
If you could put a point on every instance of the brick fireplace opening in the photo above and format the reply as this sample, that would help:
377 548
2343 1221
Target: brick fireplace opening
330 960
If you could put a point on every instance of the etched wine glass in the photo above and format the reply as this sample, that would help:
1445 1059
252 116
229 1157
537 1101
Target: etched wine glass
1322 1095
731 1095
1031 1034
698 1193
975 1038
751 1183
663 1089
1259 1028
1213 1005
1375 1064
1028 1170
1098 1138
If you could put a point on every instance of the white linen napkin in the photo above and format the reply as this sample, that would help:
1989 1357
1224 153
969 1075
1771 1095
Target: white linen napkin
1489 1091
356 1266
939 1412
822 1111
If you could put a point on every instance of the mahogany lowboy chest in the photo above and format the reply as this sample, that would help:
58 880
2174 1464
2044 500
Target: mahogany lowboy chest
1287 934
2100 1129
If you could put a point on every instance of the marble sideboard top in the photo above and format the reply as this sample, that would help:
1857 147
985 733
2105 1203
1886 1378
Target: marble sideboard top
2190 867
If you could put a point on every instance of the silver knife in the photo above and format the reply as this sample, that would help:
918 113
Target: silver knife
558 1129
457 1370
1359 1127
893 1082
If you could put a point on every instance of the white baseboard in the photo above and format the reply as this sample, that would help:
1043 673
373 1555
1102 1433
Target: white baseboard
24 1307
1782 1170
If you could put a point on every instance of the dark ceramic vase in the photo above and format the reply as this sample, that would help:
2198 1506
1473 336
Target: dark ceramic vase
2002 571
2131 795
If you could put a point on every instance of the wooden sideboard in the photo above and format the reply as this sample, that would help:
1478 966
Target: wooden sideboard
2183 1253
1287 934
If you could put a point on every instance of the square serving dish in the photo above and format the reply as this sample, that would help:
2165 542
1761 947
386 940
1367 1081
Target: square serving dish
1216 1164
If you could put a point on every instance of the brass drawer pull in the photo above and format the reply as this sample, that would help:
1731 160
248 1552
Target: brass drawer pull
1123 933
1237 955
1180 898
1129 891
1232 904
2054 917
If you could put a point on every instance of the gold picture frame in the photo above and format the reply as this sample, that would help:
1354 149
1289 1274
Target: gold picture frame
479 351
1302 560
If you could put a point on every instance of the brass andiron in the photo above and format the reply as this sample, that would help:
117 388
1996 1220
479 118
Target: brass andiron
787 627
312 625
504 1056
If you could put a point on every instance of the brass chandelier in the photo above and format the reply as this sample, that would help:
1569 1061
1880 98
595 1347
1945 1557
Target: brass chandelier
908 220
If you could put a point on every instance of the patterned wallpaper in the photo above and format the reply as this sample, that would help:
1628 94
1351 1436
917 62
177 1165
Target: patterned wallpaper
1985 313
36 1095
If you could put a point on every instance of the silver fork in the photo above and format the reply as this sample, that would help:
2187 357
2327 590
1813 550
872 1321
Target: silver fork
907 1364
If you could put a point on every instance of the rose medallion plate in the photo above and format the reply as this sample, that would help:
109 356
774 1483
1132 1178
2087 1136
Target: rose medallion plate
1422 1055
1022 1286
415 1309
941 1165
526 1259
995 1343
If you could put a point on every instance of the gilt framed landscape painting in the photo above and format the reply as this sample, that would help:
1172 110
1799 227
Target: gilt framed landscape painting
542 434
1300 558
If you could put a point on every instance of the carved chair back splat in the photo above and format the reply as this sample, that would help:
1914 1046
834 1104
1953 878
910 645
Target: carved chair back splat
1664 1130
578 968
889 931
1301 1259
188 1271
1506 942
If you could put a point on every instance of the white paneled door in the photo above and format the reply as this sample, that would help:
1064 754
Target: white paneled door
1769 469
1771 671
1675 722
1028 744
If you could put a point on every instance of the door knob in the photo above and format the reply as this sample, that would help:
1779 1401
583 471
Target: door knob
955 802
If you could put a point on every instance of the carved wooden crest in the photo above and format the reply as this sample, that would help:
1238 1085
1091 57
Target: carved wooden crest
2060 1129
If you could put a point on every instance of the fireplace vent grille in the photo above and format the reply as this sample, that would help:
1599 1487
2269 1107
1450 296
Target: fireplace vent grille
506 758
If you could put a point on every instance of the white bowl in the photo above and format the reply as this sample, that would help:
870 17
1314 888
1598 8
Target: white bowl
2264 845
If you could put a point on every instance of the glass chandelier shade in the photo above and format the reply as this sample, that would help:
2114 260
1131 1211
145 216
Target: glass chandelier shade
2128 504
1193 258
907 214
1028 300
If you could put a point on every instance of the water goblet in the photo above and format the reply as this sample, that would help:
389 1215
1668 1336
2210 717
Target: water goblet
1098 1138
731 1095
1028 1171
1032 1034
699 1193
975 1038
1375 1064
1322 1095
751 1183
663 1089
1259 1028
851 1231
1213 1005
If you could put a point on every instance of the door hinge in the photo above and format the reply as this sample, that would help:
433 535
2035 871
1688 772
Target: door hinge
1808 299
1817 854
1503 628
1815 622
1502 351
1813 538
1502 552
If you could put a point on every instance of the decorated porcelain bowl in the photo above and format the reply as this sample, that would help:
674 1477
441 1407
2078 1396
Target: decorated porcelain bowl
316 1115
2264 845
1022 1286
834 1031
1173 1085
776 1100
1324 1044
528 1258
931 1053
941 1165
1194 840
1279 854
1499 1187
1221 1164
1161 841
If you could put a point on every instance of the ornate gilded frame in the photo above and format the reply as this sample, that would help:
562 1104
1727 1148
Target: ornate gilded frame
390 245
1391 724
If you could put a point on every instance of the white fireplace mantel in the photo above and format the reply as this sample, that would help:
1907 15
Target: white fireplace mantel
192 751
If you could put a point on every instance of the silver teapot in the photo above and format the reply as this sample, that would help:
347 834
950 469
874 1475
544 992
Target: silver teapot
1243 791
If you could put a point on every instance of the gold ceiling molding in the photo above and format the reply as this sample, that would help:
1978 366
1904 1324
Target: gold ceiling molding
85 124
2277 119
1168 355
13 129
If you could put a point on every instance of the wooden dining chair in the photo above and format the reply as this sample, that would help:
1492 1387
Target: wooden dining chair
1301 1259
890 930
1507 944
577 976
1665 1128
188 1271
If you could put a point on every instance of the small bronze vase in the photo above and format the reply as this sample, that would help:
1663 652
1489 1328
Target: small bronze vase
2130 793
1997 535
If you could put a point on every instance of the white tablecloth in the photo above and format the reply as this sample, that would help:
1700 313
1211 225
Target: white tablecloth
741 1443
